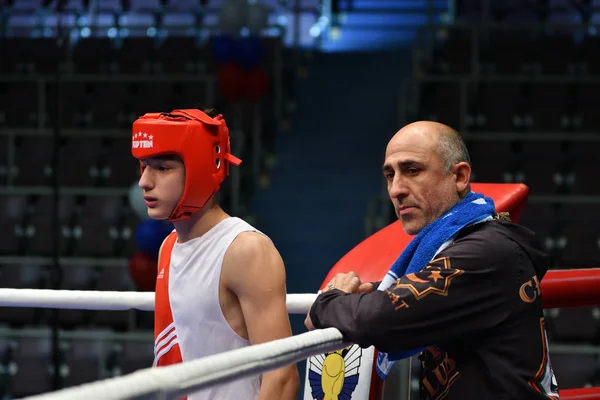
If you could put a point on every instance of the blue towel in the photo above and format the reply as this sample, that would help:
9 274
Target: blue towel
420 251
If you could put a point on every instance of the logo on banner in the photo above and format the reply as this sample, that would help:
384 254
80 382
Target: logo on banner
384 365
142 140
334 375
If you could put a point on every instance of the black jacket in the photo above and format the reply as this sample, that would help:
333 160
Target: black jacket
476 307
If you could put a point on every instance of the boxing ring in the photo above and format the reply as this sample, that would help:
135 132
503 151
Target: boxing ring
559 288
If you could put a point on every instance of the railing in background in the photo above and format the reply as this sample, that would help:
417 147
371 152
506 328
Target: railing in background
411 97
43 129
433 35
185 18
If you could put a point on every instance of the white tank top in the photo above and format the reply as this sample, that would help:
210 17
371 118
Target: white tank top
195 273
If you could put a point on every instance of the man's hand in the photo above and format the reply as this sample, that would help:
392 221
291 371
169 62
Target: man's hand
349 283
366 287
308 323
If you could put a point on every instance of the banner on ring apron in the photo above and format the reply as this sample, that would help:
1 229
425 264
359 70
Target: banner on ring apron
349 373
343 374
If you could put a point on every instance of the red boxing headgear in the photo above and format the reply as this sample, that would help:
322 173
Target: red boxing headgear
202 143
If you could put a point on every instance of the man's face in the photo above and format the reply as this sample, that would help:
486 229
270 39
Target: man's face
163 182
420 190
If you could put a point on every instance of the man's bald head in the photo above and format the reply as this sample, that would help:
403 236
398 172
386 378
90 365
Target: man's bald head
448 142
428 171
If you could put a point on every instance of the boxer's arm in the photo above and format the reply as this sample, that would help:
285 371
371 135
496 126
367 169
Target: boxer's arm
256 274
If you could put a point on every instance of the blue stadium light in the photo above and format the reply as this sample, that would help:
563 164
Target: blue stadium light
272 32
83 20
112 33
282 20
315 31
151 31
323 20
85 32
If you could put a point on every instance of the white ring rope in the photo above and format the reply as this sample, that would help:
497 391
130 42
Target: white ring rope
175 380
112 301
180 379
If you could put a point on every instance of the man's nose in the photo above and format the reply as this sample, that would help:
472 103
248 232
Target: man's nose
397 188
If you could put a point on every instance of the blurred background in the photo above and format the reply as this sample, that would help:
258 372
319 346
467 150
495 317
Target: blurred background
312 91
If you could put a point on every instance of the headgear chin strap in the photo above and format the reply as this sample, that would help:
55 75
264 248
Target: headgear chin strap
202 143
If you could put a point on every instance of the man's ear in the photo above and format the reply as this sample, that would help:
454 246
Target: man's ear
462 174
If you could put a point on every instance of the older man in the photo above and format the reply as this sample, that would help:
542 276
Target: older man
464 294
